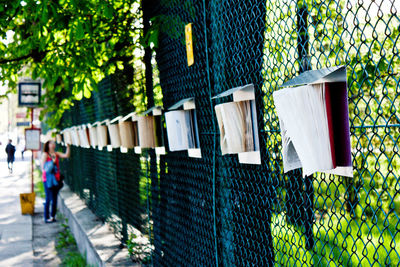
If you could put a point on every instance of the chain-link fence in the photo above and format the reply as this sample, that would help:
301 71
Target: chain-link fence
113 184
214 211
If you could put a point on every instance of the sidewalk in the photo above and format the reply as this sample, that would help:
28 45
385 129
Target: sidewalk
15 229
44 238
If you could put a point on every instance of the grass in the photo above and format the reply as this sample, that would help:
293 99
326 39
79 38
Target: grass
368 238
339 241
67 249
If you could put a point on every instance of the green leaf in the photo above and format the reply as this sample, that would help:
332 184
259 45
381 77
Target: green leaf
108 12
154 38
44 18
34 73
80 34
86 89
79 95
120 65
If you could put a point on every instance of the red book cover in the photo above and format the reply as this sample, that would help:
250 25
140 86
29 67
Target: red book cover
330 122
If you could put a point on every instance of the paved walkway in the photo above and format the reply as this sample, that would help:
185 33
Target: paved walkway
44 238
15 229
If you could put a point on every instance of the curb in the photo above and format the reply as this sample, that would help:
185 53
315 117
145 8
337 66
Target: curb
94 239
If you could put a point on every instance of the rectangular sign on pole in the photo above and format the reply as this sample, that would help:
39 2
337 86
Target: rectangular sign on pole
32 139
29 94
23 124
20 115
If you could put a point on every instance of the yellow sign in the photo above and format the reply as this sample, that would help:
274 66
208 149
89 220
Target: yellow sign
189 44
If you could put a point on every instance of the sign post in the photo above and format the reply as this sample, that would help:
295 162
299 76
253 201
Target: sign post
29 94
32 142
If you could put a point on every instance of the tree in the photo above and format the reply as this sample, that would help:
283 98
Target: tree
70 44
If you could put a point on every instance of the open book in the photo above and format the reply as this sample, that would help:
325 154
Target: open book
181 130
314 122
83 137
236 127
129 134
75 137
150 135
93 136
146 132
113 131
150 130
102 136
67 137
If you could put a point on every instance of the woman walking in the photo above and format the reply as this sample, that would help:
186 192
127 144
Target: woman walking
51 178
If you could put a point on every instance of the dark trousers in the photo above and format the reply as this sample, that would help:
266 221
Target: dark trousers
51 198
10 163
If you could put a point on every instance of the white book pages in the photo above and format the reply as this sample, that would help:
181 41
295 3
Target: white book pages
75 137
179 130
102 138
291 160
113 130
93 136
84 141
146 132
236 127
67 137
302 113
127 134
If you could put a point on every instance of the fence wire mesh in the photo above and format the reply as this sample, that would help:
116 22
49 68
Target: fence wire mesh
214 211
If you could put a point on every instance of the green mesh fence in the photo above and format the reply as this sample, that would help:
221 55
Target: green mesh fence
214 211
113 184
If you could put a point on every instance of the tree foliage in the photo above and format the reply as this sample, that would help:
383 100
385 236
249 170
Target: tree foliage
70 44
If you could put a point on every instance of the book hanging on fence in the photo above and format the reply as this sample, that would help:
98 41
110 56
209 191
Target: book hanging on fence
75 136
83 136
182 130
237 122
92 135
150 127
102 134
129 131
314 120
67 136
113 131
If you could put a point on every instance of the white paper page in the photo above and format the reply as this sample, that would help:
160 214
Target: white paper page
190 129
146 132
83 138
114 135
291 160
179 130
127 134
93 136
236 127
303 112
102 138
75 137
67 137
